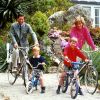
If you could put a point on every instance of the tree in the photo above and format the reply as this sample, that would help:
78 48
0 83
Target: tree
31 6
9 9
40 23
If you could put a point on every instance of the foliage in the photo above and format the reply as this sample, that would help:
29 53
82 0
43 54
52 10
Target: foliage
46 40
3 64
9 9
47 6
40 23
96 60
95 32
48 60
31 6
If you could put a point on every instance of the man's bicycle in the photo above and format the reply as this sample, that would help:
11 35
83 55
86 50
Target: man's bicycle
22 67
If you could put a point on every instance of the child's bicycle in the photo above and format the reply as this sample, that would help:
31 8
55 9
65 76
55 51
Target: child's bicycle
34 81
91 79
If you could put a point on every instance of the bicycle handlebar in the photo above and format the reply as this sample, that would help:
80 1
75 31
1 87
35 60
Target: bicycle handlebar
38 65
28 47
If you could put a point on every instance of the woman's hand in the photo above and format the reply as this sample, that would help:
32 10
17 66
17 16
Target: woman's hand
86 60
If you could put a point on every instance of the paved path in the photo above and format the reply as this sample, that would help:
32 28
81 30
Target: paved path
17 91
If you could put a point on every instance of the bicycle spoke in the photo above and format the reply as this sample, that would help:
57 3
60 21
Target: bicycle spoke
12 75
91 80
74 89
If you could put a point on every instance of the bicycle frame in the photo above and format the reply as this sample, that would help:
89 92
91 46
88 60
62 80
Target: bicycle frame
22 67
35 77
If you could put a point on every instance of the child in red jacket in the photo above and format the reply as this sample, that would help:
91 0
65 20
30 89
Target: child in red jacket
71 52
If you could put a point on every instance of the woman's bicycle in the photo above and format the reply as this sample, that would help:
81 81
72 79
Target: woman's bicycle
34 81
22 67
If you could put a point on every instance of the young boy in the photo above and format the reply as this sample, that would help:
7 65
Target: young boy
71 52
35 60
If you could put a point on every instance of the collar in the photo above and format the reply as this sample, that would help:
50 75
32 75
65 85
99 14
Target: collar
37 56
21 24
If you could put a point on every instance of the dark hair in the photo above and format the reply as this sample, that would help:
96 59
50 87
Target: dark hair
20 15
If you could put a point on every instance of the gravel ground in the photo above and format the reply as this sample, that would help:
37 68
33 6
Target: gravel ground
17 91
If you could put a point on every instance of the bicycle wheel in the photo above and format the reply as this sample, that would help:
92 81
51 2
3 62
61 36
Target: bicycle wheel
25 73
12 75
74 89
91 79
65 84
29 87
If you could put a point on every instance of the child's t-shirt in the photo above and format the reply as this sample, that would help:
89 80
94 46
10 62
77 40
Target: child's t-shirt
35 61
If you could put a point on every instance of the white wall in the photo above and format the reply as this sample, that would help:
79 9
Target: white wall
91 9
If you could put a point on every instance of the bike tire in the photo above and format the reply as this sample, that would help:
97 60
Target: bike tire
74 88
65 84
12 75
29 87
91 79
25 74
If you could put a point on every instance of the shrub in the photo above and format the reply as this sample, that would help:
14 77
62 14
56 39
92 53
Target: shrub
40 23
95 32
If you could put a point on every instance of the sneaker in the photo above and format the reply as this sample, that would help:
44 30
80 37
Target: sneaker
80 91
58 91
42 89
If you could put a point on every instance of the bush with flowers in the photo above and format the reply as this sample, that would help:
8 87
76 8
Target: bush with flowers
95 33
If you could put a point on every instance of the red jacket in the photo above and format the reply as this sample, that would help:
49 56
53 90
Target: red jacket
72 54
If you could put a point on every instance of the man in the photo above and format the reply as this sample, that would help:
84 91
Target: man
19 33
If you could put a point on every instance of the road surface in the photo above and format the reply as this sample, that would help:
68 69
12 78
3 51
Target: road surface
17 91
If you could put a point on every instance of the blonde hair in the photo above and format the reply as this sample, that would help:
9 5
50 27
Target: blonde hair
74 39
36 48
79 19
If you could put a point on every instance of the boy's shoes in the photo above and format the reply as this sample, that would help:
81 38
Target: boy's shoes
42 89
58 90
80 91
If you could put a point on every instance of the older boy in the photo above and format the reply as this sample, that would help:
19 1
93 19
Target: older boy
71 52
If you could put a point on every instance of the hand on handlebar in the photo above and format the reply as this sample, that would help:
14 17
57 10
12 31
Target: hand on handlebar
67 59
86 60
96 49
15 45
36 44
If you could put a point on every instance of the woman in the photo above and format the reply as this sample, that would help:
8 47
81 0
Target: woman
81 32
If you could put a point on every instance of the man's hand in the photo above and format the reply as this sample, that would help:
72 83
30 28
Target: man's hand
15 45
36 44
